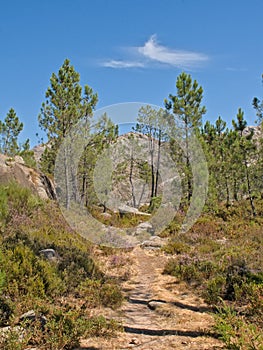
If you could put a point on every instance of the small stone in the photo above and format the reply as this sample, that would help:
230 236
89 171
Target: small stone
134 341
31 316
154 304
49 254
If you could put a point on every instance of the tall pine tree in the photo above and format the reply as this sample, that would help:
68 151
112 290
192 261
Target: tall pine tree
65 105
188 111
9 131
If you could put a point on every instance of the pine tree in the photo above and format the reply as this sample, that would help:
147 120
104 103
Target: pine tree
258 105
154 124
247 150
10 130
65 105
103 134
188 112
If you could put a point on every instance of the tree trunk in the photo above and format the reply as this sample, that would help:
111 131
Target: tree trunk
66 171
249 190
131 182
157 165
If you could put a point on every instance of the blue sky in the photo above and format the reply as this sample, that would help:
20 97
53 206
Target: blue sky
132 50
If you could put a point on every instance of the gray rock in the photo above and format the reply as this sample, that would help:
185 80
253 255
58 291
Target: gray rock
49 254
154 304
145 226
13 169
30 316
125 209
155 242
106 215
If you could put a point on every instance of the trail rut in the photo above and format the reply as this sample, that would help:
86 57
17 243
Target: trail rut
159 313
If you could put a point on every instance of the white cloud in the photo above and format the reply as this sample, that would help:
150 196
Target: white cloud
178 58
122 64
153 52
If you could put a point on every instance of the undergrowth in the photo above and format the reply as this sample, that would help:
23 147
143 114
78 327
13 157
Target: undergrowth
63 289
221 256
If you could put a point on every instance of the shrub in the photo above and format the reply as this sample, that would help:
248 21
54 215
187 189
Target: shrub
98 326
185 269
214 289
6 311
236 275
28 275
99 293
236 332
176 247
16 201
76 266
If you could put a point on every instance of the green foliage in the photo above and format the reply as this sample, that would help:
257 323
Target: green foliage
29 276
102 135
63 330
9 131
224 266
16 201
155 204
236 332
75 266
187 111
99 293
28 155
176 247
214 289
258 105
64 107
29 281
155 125
100 326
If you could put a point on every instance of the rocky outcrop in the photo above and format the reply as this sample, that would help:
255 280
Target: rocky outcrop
256 130
14 169
38 151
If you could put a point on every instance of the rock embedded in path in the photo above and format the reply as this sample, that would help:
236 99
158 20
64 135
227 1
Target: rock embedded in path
155 304
155 242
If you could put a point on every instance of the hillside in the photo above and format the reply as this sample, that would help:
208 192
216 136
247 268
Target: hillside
185 292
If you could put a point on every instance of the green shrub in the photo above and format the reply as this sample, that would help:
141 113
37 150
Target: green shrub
76 266
176 247
65 328
6 311
99 293
236 274
214 290
236 332
28 275
190 269
185 269
98 326
16 200
13 339
155 204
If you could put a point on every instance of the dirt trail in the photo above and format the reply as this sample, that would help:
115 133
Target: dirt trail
159 312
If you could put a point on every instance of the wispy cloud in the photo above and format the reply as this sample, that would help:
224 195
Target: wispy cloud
178 58
122 64
152 52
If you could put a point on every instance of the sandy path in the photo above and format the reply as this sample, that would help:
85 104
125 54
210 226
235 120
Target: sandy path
180 321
